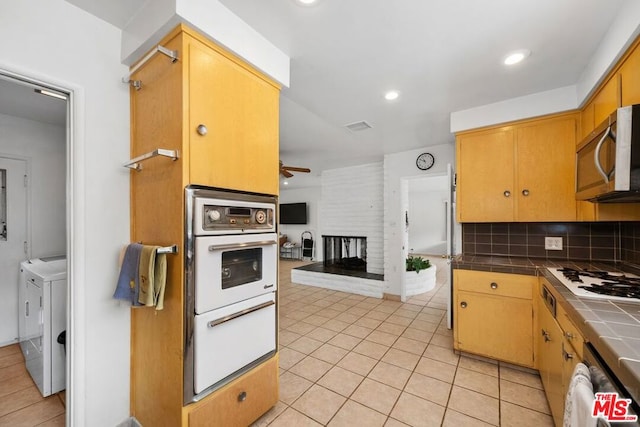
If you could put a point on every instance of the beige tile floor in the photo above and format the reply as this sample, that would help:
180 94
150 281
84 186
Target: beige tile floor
350 360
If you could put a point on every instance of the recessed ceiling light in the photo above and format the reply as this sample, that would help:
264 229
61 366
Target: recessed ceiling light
285 182
516 56
307 2
391 95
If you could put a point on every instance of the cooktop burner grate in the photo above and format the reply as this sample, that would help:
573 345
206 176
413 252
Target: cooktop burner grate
590 282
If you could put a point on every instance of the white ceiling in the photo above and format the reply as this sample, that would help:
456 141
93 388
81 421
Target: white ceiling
20 100
442 55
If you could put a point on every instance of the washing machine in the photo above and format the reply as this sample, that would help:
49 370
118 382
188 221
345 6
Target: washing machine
42 318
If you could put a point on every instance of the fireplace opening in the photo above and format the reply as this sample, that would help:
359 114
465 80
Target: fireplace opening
345 252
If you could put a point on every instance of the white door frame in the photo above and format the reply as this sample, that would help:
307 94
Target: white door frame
75 401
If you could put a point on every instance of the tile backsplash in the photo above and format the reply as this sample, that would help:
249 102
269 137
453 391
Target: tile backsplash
593 241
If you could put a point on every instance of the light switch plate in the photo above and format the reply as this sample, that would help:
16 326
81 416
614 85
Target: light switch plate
553 243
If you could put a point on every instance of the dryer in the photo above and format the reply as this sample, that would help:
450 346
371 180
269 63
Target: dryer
43 316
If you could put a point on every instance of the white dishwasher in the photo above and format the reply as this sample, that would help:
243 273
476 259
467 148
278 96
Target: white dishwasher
42 318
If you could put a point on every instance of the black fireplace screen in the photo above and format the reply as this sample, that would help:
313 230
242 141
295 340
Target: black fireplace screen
345 252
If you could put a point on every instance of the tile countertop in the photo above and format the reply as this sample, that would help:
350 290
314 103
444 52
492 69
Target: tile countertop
613 328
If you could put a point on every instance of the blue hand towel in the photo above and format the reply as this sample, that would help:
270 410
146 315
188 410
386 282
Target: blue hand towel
128 286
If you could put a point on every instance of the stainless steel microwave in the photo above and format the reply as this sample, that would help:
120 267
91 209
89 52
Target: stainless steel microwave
608 160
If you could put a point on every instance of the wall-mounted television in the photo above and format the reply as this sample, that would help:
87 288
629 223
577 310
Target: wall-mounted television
293 213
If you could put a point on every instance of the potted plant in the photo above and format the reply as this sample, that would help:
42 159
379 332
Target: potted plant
420 275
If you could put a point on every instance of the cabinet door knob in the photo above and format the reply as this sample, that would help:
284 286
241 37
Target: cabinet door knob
494 285
545 334
507 193
463 304
202 130
567 356
525 192
242 396
569 335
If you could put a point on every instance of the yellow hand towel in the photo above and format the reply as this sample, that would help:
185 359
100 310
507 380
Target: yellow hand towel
159 280
147 275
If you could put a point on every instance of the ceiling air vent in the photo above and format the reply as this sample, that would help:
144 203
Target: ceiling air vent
358 126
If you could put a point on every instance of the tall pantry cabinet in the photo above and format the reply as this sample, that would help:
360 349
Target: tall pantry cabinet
221 116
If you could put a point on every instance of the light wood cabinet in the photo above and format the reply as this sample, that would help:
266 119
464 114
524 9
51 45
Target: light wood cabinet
240 112
550 362
239 151
559 349
523 172
630 78
493 315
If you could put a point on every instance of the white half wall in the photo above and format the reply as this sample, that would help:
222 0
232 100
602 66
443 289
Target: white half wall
58 43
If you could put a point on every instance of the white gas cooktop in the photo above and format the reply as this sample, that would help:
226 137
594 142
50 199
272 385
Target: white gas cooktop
599 284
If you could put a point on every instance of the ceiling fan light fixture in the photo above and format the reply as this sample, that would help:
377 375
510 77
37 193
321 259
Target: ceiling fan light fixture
516 56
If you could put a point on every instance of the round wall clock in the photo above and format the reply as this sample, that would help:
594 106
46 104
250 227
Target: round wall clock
425 161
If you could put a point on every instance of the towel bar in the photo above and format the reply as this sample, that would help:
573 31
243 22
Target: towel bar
135 163
173 249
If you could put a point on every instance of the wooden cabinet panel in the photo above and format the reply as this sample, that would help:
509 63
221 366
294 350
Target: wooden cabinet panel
240 111
241 402
630 79
485 172
545 187
587 123
496 326
607 100
500 284
523 172
550 362
240 107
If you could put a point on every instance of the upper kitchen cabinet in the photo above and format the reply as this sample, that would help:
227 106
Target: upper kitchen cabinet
233 123
485 177
630 78
220 113
523 172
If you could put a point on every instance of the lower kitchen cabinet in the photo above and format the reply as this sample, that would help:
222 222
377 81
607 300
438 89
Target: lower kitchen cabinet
493 315
240 402
559 349
550 362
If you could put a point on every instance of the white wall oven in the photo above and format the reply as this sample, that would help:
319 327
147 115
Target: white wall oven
231 281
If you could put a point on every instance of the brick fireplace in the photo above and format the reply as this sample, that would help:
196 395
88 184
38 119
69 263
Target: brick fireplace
345 252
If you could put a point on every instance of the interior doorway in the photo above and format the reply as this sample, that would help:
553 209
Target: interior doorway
13 242
36 121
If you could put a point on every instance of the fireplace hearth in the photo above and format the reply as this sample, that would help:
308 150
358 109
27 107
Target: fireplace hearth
345 252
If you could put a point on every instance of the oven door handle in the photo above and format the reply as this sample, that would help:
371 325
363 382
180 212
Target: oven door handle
230 317
241 245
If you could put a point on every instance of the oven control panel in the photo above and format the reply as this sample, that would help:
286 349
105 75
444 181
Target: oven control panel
231 213
220 217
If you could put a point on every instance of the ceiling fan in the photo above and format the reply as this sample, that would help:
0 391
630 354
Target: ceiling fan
286 170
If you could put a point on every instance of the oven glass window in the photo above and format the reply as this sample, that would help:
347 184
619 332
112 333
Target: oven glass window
241 267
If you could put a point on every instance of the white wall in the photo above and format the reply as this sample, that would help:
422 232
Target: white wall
352 205
56 42
397 167
211 18
294 231
427 215
44 145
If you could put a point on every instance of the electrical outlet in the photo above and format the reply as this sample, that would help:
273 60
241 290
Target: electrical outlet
553 243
